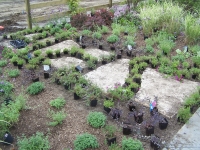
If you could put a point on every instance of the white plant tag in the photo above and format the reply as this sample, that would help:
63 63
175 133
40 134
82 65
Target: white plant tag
46 67
129 47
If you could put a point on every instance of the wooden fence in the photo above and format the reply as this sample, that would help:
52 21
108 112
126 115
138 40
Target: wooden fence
60 14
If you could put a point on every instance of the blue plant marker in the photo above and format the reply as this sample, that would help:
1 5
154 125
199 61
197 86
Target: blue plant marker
151 107
29 55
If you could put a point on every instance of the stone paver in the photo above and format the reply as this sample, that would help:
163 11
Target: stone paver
170 93
188 137
107 75
67 62
96 52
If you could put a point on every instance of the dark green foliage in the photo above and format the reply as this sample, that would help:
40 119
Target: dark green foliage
96 119
35 88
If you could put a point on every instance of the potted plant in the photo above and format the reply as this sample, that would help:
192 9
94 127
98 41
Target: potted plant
131 106
149 125
80 53
138 115
127 128
14 60
194 72
86 56
155 142
137 78
37 53
48 42
5 36
78 91
49 53
57 53
73 51
112 57
108 104
112 39
115 113
20 63
91 64
65 51
104 59
8 139
134 87
163 122
184 114
109 131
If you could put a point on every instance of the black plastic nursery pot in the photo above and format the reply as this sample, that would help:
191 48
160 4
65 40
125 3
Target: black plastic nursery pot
57 81
194 76
93 103
129 54
145 37
100 46
149 130
8 138
73 54
76 97
154 111
36 79
15 63
111 140
58 55
155 143
138 118
50 56
107 109
20 66
163 125
48 43
137 80
112 48
125 33
67 86
115 116
77 39
119 56
126 131
5 36
134 90
83 46
18 44
56 41
104 62
46 75
7 101
79 56
131 107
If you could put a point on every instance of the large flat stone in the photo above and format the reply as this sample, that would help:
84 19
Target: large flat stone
188 137
62 45
67 62
170 92
107 75
96 52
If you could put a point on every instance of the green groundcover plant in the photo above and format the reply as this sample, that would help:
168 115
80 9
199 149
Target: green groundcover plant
57 117
85 141
96 119
131 144
13 73
36 142
35 88
58 103
5 87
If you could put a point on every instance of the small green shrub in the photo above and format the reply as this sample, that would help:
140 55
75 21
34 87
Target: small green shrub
5 87
35 142
58 102
86 32
37 53
103 29
130 144
96 119
97 35
184 114
3 63
108 103
114 147
57 117
35 88
113 38
13 73
85 141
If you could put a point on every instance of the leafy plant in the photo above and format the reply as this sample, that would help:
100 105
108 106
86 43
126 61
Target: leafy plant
58 102
103 29
86 32
13 73
184 114
109 130
96 119
49 52
166 46
97 35
47 61
37 141
114 147
3 63
130 144
73 6
113 38
37 53
20 62
108 103
79 90
78 20
85 141
57 117
35 88
5 87
91 64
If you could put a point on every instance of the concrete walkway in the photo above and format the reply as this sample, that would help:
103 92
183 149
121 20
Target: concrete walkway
188 137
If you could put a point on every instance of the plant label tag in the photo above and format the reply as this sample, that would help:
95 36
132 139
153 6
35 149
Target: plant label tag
129 47
46 67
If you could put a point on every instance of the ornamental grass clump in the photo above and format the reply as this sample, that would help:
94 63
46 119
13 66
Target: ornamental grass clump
163 16
85 141
96 119
35 88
